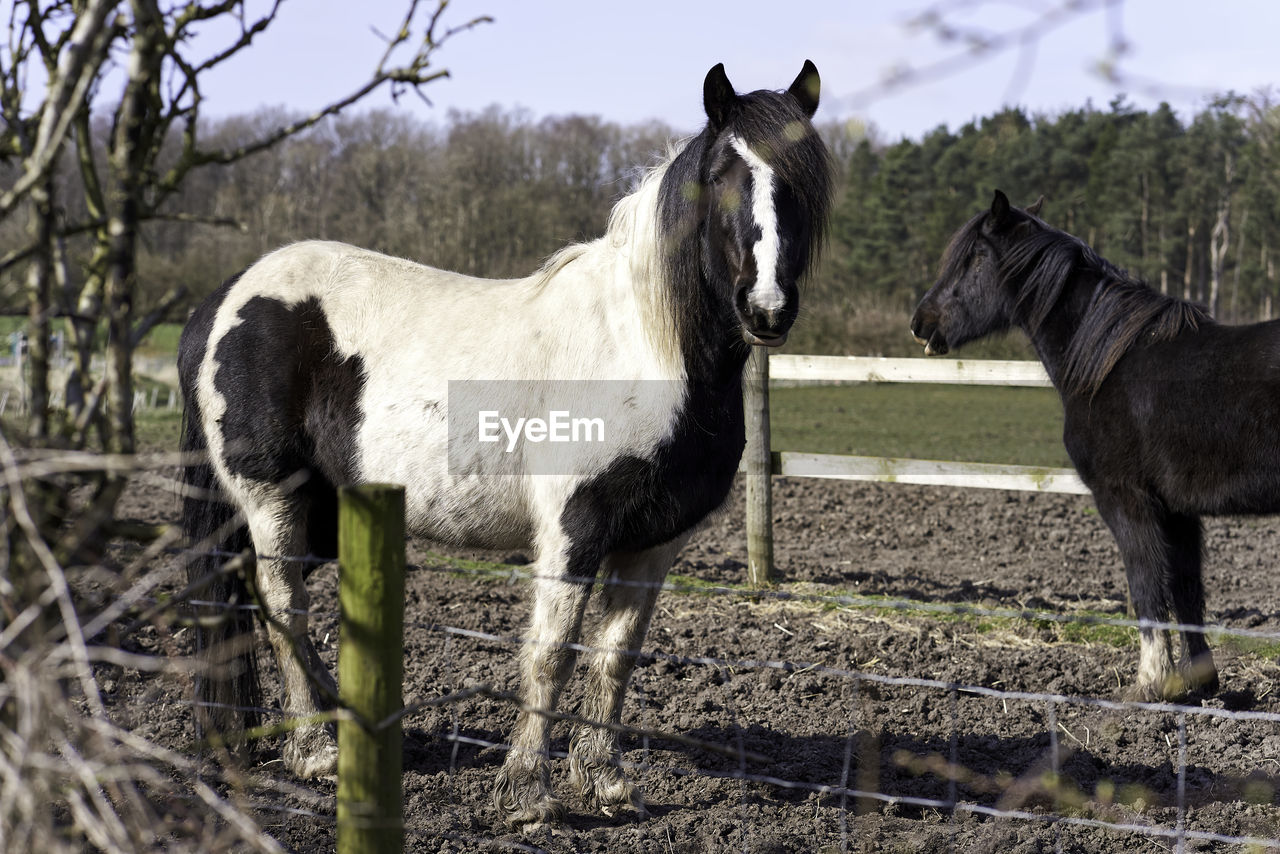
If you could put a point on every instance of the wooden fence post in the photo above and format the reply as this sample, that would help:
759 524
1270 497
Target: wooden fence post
758 463
370 668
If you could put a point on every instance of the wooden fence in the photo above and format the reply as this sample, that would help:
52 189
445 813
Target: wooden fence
760 461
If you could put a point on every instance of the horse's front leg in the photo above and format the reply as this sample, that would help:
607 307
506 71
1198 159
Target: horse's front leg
1136 521
628 606
560 591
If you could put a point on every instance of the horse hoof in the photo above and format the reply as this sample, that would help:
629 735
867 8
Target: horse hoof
524 800
605 788
1202 676
530 817
1171 689
1210 686
311 752
633 806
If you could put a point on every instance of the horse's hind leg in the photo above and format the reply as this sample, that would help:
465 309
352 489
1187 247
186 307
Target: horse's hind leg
1186 551
276 522
1137 524
522 793
615 645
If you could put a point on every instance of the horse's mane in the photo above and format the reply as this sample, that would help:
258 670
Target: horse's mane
1122 310
656 227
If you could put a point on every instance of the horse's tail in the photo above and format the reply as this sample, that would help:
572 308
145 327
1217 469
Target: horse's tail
227 690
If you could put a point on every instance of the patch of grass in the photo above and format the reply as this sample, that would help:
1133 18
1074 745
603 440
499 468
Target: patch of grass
989 424
157 429
1264 648
1075 627
154 430
1117 636
688 585
481 570
802 595
161 340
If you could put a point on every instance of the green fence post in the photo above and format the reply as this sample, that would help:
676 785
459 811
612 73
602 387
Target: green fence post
370 668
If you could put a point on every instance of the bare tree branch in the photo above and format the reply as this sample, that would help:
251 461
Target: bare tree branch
80 64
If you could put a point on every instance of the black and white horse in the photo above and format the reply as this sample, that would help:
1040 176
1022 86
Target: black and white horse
323 364
1169 416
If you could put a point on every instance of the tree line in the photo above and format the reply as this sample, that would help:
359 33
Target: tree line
1192 206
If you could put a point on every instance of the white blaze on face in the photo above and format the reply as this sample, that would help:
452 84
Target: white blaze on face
766 293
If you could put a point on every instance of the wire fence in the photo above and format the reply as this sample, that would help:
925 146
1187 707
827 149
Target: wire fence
897 744
1044 796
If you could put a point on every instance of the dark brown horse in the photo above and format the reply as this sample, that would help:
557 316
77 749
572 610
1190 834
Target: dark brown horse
1169 416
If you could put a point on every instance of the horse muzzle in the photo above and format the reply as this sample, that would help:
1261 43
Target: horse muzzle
928 333
759 340
936 345
765 328
767 324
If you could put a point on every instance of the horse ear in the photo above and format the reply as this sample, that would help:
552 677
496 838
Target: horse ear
1000 208
1034 207
718 97
805 88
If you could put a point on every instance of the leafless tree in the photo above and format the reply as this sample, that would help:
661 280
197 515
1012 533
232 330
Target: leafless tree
73 182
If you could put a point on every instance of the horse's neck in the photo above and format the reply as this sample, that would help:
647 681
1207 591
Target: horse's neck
1052 341
686 324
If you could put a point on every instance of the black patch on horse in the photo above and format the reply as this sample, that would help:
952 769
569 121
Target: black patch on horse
282 359
637 503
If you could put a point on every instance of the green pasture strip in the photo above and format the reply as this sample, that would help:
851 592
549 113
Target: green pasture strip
481 570
1263 648
984 424
157 429
838 599
154 430
841 599
162 340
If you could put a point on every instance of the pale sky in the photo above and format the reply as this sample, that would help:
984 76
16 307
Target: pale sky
635 60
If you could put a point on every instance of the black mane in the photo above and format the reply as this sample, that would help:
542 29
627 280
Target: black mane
1122 310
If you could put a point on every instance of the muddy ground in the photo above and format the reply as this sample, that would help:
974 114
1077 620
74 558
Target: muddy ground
782 685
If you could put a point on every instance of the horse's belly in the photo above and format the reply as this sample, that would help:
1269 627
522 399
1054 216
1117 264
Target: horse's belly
481 513
476 511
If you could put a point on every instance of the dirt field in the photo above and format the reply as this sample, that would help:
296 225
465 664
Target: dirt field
820 727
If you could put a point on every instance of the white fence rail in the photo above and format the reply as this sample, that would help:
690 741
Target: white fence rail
866 369
860 369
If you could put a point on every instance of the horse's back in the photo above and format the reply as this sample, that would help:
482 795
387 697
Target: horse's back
1194 420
